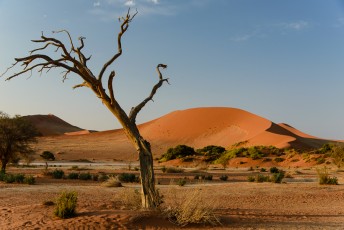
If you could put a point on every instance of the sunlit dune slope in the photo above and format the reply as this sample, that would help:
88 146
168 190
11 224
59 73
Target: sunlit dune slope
196 127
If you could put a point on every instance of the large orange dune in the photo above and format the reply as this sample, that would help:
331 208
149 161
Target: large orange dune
197 127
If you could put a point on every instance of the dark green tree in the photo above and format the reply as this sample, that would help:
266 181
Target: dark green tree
16 136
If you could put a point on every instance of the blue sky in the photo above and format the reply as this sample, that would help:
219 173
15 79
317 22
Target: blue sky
283 60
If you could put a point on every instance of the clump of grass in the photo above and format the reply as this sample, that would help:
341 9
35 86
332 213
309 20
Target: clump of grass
73 176
112 182
181 182
277 177
274 170
190 208
261 178
30 180
66 205
85 176
279 159
128 177
251 178
324 177
129 198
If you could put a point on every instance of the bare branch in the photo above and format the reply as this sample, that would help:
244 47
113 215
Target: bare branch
124 27
110 87
84 84
70 38
135 110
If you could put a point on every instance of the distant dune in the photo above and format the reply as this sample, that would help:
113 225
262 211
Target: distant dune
49 125
196 127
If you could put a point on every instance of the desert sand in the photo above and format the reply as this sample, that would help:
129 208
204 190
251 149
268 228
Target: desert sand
298 203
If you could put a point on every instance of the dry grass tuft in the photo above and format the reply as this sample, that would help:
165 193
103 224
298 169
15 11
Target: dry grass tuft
129 198
112 182
189 207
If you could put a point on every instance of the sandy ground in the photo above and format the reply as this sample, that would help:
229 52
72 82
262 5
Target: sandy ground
300 203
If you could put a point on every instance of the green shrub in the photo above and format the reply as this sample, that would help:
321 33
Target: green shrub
66 205
2 176
19 178
320 160
73 176
263 170
274 170
277 177
324 177
57 174
95 177
85 176
9 178
181 182
224 177
337 155
196 177
163 169
208 177
179 151
103 177
279 159
127 177
326 148
211 152
255 153
261 178
29 180
251 178
47 155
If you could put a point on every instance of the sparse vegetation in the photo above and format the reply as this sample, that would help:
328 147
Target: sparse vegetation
128 177
211 152
224 177
112 182
178 152
57 174
66 205
73 176
85 176
324 177
174 170
181 182
129 198
277 177
190 208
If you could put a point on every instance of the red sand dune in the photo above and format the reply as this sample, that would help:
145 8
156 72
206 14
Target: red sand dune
196 127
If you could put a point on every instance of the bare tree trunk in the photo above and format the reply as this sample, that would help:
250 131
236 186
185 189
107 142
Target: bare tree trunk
149 195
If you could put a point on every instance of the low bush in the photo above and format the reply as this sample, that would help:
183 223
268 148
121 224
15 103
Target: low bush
224 177
179 151
324 177
103 177
85 176
251 179
9 178
19 178
66 205
73 176
129 198
30 180
95 177
127 177
208 177
279 159
274 170
262 170
211 152
277 177
57 174
261 178
181 182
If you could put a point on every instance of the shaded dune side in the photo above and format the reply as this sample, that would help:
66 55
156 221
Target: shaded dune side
51 125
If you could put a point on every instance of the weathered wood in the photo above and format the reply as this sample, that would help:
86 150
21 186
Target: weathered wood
74 61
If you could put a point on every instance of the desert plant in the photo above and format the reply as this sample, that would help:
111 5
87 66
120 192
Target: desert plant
66 205
277 177
181 182
47 155
279 159
263 170
103 177
85 176
73 176
208 177
127 177
29 180
224 177
251 178
274 170
211 152
320 160
261 178
324 177
129 198
19 178
112 182
57 174
95 177
179 151
190 208
337 155
9 178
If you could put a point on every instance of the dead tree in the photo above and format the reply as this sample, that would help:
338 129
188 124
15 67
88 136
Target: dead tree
71 59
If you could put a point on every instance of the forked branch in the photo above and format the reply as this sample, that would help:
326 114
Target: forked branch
135 110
